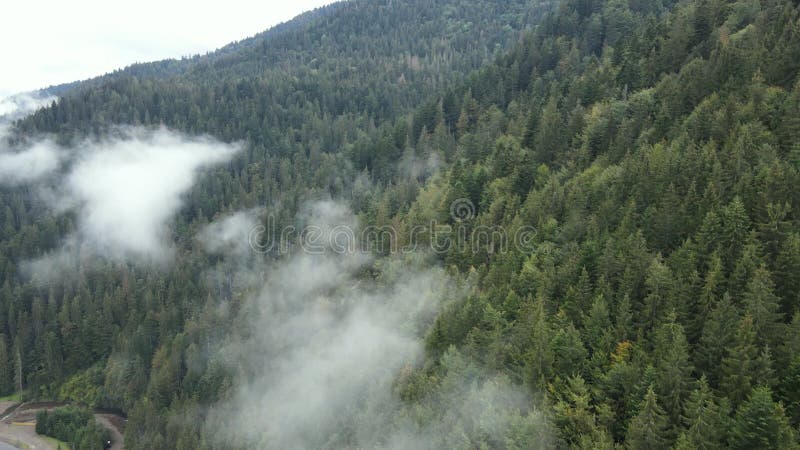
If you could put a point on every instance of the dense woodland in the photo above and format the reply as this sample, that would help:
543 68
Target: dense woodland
653 145
75 426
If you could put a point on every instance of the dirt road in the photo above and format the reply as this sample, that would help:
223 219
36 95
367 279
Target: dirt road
18 426
111 423
18 430
23 437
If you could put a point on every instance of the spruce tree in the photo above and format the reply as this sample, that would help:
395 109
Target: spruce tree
787 272
738 366
761 423
673 370
718 333
648 429
705 421
763 307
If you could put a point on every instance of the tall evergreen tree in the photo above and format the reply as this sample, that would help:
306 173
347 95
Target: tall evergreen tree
707 421
648 429
763 307
761 423
739 368
673 381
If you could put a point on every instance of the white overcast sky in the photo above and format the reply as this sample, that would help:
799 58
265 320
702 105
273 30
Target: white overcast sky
48 42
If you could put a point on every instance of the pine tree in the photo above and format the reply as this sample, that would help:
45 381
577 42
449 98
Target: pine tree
789 131
763 307
673 369
787 272
19 377
761 423
718 333
738 366
790 390
709 295
598 332
573 414
648 429
578 297
531 128
623 325
745 268
549 143
6 368
735 227
660 286
567 348
539 357
709 235
706 421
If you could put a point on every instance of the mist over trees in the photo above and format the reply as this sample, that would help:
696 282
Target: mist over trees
654 147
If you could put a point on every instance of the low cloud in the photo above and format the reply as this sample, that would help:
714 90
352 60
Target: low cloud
322 346
25 162
20 166
471 409
412 166
20 105
126 190
232 234
327 338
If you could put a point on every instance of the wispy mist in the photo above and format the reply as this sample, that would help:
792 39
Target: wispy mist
19 166
325 339
231 235
125 191
25 162
20 105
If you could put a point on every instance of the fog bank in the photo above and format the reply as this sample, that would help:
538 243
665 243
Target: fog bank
326 340
125 191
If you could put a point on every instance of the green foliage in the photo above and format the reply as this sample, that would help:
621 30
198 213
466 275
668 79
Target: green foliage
707 421
648 429
84 388
74 425
673 369
652 145
761 423
575 418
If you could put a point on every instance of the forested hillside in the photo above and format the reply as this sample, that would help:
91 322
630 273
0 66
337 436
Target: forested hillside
653 146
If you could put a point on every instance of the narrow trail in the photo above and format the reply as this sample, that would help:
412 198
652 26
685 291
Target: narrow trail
18 425
112 423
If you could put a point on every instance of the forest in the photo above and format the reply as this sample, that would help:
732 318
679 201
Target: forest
649 148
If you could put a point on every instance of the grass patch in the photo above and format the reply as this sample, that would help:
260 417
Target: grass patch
15 397
55 442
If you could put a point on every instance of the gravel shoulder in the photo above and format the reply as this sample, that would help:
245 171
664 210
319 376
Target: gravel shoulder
23 437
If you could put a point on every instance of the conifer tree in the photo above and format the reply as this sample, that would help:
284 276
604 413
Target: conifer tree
763 307
673 370
718 333
739 365
648 429
706 421
573 414
787 272
761 423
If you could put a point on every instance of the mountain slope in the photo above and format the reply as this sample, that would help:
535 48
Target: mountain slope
301 97
652 151
637 157
382 57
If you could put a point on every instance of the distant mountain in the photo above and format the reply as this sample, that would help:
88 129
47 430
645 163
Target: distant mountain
382 57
